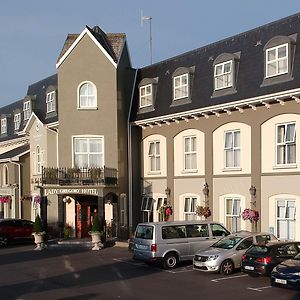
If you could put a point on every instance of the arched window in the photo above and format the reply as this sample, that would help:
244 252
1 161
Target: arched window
87 95
5 175
38 160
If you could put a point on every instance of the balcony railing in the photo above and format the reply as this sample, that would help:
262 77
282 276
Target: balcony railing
75 176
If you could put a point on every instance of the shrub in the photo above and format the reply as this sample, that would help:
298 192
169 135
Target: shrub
96 224
37 225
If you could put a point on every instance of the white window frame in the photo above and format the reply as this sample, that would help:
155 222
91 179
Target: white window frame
146 207
286 143
286 219
226 76
154 156
88 153
27 110
189 207
3 125
190 154
17 121
277 60
88 95
232 148
51 102
5 176
38 160
160 201
146 99
183 88
235 218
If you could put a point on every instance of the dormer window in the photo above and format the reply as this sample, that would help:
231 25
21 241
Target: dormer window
3 126
181 86
146 95
277 60
279 53
17 121
51 102
226 67
223 75
27 110
87 96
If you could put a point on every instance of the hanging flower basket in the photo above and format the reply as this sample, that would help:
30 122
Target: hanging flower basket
166 211
5 199
203 211
250 214
26 198
37 199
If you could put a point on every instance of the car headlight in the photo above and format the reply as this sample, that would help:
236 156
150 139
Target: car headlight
212 257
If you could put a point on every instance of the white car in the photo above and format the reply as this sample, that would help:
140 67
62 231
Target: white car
225 255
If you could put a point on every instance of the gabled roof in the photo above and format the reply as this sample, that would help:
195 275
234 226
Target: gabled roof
15 154
249 45
111 44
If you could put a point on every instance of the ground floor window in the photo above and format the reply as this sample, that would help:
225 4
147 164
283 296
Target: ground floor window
286 218
161 201
233 214
146 209
190 208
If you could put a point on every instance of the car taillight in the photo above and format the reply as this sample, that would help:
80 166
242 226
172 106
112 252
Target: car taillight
264 260
153 248
244 257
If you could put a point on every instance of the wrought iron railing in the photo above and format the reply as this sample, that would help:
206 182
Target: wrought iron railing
76 176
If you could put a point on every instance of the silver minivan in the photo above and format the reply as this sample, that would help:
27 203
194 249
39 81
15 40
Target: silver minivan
170 242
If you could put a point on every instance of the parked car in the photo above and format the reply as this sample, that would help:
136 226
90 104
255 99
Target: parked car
261 259
225 255
287 274
15 230
170 242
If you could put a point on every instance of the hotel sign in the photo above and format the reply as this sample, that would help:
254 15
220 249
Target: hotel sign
61 191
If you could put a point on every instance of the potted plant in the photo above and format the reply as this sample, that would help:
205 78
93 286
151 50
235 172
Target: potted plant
96 233
38 233
203 211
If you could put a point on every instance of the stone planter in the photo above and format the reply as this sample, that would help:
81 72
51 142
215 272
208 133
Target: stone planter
96 240
39 240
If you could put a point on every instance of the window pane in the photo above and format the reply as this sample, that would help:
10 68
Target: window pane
218 69
229 206
80 145
187 204
280 133
227 67
271 54
291 154
237 158
236 139
229 158
290 132
282 52
95 145
271 69
282 66
228 140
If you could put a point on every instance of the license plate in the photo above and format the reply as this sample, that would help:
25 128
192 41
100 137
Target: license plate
141 247
282 281
198 264
249 268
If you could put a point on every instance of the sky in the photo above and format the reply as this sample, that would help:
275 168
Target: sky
32 32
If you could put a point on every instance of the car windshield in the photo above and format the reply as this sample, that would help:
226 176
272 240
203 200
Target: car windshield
227 242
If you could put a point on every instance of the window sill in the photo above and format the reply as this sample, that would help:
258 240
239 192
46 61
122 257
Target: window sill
287 166
232 169
87 108
193 171
154 173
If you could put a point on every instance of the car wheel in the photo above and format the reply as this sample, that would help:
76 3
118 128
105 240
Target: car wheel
3 241
170 261
227 267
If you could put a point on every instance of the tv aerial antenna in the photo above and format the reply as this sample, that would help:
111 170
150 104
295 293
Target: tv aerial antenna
144 19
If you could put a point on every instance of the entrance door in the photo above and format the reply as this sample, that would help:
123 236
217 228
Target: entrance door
83 220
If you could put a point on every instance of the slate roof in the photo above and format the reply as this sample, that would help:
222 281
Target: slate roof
16 152
112 42
36 91
250 74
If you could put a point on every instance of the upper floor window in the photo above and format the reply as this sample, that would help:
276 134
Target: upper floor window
5 175
38 160
17 121
27 110
286 144
88 152
3 126
181 86
190 153
232 149
146 95
277 60
87 95
154 156
51 102
223 75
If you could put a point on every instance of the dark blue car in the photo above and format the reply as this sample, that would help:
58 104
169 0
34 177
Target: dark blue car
287 274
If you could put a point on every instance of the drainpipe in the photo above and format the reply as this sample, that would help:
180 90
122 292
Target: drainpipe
130 158
20 189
